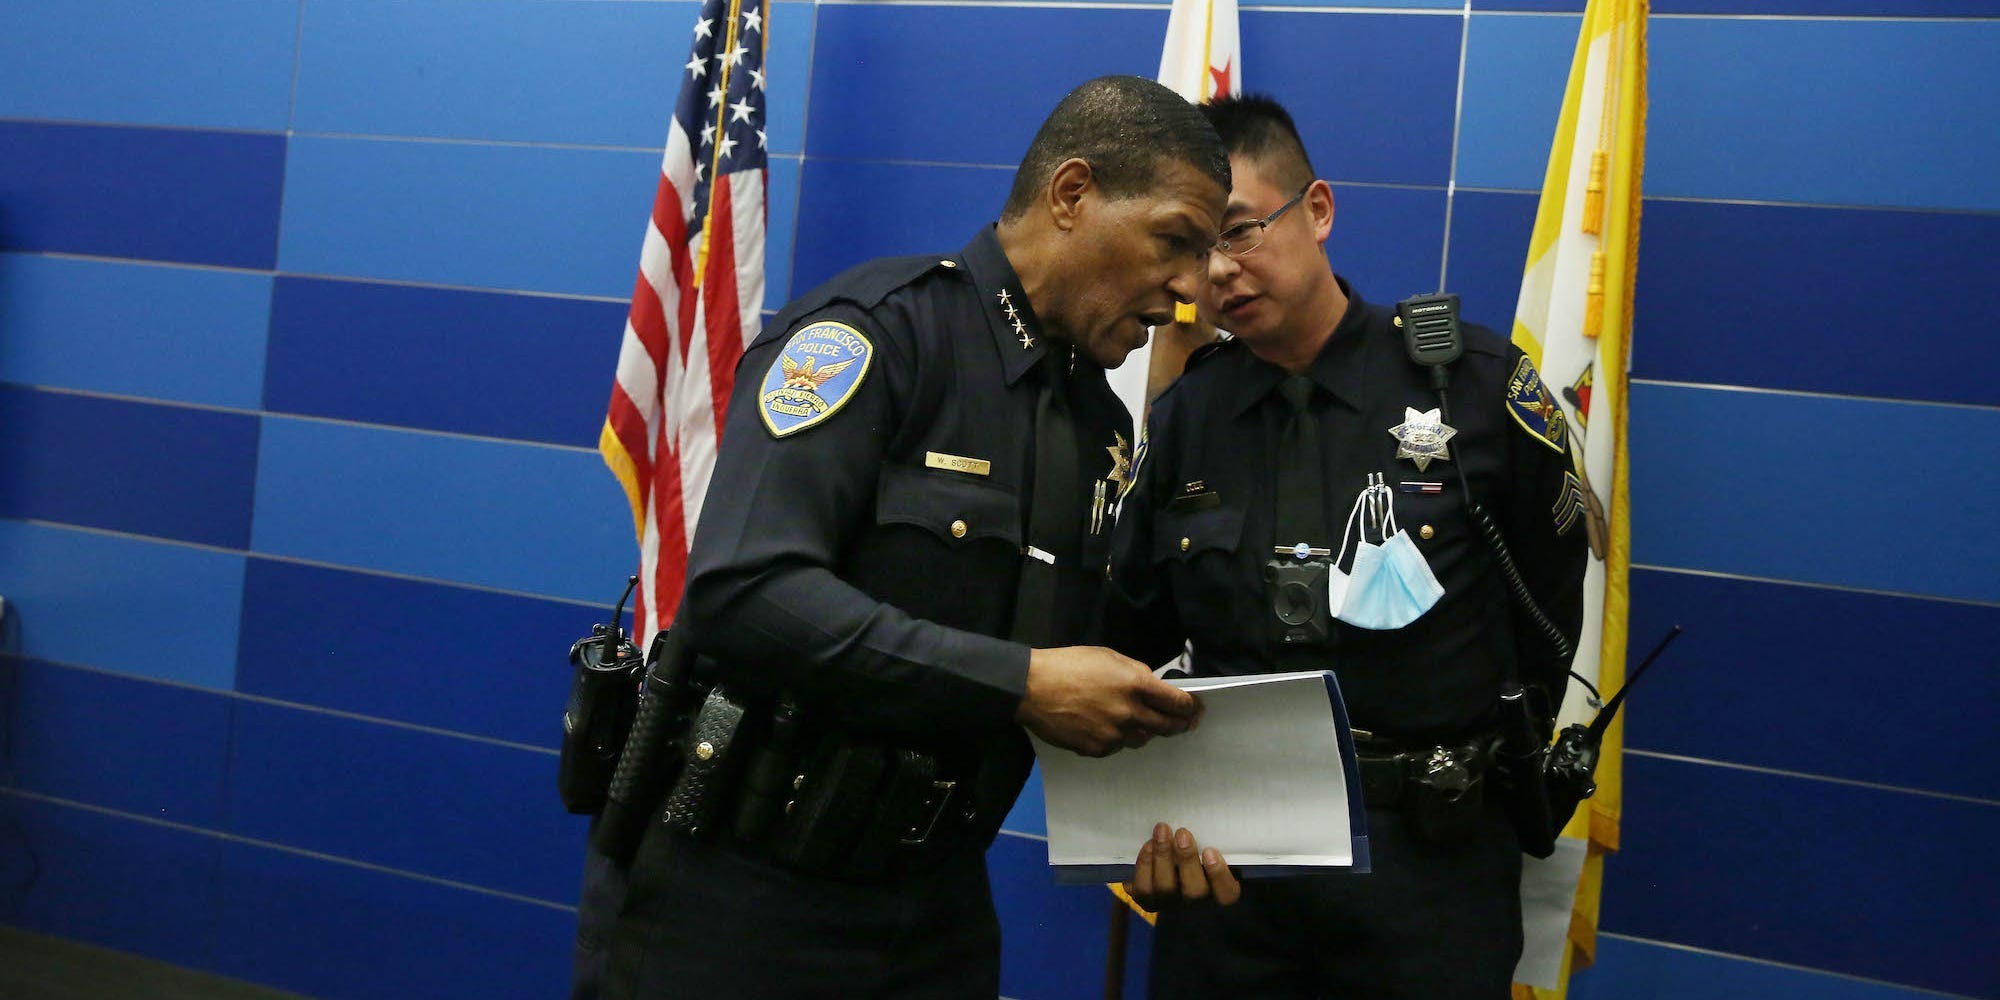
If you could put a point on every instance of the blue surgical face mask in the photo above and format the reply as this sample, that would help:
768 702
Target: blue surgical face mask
1390 584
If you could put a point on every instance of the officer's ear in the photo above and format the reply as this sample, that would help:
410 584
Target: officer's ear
1319 206
1069 185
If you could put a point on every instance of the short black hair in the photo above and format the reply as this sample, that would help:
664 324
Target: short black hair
1123 126
1259 128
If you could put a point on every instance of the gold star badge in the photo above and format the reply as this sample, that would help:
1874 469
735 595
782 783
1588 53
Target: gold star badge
1121 461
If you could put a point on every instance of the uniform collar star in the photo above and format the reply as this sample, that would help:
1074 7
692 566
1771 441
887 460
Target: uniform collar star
1121 462
1421 437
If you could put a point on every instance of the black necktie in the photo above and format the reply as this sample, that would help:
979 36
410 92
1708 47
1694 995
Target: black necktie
1301 491
1055 520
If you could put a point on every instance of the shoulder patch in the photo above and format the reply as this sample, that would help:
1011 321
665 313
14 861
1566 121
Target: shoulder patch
1532 406
815 374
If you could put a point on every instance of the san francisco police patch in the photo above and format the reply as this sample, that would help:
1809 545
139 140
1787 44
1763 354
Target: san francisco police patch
814 376
1529 400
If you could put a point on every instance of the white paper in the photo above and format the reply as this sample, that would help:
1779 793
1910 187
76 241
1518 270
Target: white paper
1261 780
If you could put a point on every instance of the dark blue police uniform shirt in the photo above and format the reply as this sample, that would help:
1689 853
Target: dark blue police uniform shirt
866 563
1196 531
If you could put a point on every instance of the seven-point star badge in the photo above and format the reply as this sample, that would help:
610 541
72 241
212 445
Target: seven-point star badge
1421 437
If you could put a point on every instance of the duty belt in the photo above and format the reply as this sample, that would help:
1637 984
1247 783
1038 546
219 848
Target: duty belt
1391 769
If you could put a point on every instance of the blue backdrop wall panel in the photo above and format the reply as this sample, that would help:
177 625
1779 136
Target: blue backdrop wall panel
1734 687
189 334
149 193
222 64
437 506
328 293
156 750
334 930
446 657
1773 867
66 588
528 368
519 218
439 805
583 73
183 473
124 883
1766 294
1738 482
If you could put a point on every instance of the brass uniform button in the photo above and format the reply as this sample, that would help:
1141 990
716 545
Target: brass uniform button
1425 531
704 750
958 529
1185 544
949 263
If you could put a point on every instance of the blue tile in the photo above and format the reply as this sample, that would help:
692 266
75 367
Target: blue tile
1759 109
782 216
186 473
108 880
1728 294
1395 77
1489 250
190 334
1515 72
1850 492
851 212
592 73
528 518
924 103
1724 294
529 367
330 930
1641 970
1386 241
1052 937
1373 95
517 218
1783 676
422 802
205 63
788 65
1844 879
1812 117
195 197
175 608
104 740
369 645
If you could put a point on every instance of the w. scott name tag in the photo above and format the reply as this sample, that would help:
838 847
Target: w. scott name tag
974 466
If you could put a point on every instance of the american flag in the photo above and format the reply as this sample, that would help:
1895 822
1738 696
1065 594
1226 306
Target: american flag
696 303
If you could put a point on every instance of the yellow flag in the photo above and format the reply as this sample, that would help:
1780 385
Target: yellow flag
1574 319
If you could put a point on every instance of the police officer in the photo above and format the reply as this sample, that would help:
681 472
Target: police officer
906 535
1231 538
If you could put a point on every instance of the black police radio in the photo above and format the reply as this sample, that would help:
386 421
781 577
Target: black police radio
602 699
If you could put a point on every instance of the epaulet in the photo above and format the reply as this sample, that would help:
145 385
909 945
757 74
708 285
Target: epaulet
1209 350
1485 341
864 285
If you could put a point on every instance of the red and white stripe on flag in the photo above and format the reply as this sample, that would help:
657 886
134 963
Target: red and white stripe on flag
696 304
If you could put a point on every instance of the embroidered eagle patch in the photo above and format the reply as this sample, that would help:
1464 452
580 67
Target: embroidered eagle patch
1534 408
814 376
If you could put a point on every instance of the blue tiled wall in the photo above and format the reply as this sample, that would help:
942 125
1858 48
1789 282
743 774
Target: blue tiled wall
308 310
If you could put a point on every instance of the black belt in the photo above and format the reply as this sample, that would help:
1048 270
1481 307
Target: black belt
1388 769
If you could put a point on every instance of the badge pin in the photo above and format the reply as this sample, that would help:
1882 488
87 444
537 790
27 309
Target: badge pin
1422 437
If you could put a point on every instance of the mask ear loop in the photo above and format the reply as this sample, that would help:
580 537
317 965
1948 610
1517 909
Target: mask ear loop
1388 501
1352 513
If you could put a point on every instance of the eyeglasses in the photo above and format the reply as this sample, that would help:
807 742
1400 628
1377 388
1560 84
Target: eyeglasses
1244 237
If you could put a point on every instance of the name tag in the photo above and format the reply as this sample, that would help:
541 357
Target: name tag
972 466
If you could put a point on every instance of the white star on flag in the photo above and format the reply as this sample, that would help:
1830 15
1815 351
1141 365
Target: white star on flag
704 28
741 110
752 21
